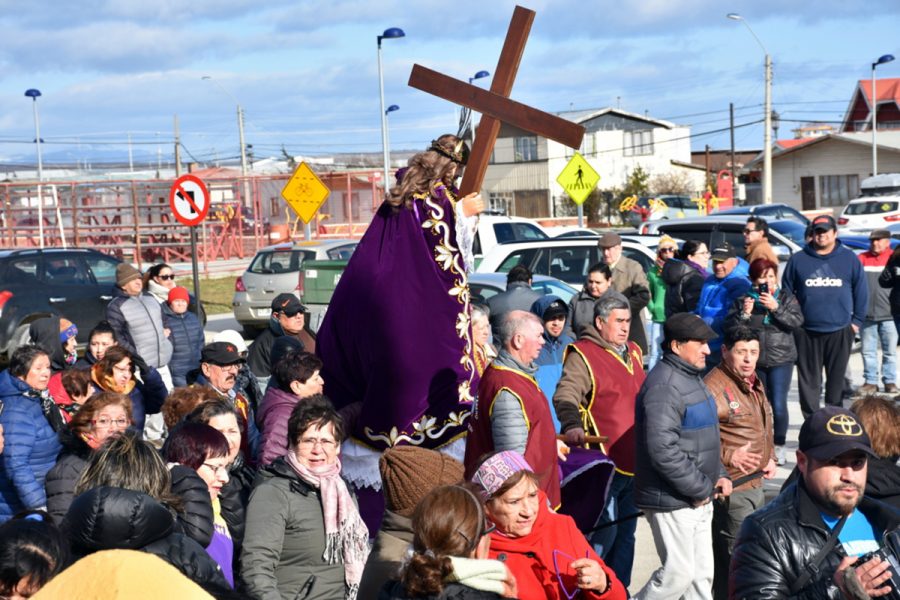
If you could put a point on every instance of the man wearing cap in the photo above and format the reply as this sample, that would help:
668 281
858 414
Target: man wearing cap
512 412
219 366
553 312
756 241
728 282
629 279
678 468
518 296
287 319
878 328
748 450
829 282
137 320
602 374
779 550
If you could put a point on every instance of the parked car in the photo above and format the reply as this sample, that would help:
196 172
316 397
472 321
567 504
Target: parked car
663 207
565 259
769 212
483 286
76 283
861 243
877 207
496 229
276 269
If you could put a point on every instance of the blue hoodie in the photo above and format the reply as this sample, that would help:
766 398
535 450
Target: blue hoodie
550 361
831 288
717 297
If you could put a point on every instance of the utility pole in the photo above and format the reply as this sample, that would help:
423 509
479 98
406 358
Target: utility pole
733 178
708 180
177 149
245 201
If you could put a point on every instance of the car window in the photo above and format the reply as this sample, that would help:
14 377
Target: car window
556 288
528 232
480 292
873 207
571 264
525 256
21 270
279 261
59 270
792 230
341 252
634 254
102 268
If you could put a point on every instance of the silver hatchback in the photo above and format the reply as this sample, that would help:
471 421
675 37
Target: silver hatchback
277 269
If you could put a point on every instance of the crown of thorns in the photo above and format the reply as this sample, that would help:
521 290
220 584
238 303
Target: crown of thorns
459 154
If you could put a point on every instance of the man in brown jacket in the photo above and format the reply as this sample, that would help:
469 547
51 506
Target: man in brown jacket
629 279
756 240
747 442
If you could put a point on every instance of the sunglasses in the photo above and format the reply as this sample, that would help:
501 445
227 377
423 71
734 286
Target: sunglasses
667 250
749 230
167 277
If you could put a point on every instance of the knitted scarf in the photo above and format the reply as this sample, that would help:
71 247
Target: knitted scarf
346 535
485 575
107 383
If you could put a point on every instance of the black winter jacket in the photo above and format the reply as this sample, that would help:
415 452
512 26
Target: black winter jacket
777 542
776 338
394 590
677 438
107 518
890 278
61 479
196 517
683 286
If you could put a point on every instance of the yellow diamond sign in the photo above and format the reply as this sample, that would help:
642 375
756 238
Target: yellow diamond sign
305 192
578 178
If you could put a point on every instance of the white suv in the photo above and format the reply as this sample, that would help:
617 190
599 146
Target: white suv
878 207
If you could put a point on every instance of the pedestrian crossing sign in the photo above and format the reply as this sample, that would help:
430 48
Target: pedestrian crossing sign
578 178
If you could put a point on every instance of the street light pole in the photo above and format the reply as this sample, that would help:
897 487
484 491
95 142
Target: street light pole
34 94
390 33
387 132
767 134
873 108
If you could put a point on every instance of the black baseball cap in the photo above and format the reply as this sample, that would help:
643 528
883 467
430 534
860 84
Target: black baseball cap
557 308
682 327
221 353
288 304
832 431
823 223
723 251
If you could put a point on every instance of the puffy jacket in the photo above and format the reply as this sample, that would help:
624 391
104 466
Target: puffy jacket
883 480
138 323
684 282
233 499
31 446
284 541
272 420
677 430
775 329
518 296
777 542
186 336
196 516
61 479
890 278
107 518
717 297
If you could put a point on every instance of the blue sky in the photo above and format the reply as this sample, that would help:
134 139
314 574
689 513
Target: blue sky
306 72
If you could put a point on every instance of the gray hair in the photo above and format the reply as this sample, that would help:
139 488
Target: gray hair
514 322
479 311
606 304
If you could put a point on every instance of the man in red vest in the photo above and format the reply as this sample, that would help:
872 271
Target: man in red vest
602 374
512 412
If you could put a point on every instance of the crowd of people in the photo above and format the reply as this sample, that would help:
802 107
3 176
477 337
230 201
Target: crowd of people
470 452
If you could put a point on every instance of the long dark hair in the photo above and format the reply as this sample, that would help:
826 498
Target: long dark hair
426 169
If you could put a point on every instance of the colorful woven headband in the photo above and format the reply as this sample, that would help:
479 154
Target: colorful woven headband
69 332
460 153
494 471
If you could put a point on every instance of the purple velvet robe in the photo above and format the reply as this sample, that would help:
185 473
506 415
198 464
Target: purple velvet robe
397 336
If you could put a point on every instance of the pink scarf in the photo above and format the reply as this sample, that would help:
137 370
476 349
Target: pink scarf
346 535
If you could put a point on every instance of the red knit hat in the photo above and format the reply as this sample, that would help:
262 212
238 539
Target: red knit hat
179 293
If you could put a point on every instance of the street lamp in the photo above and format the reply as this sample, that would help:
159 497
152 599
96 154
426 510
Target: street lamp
767 133
34 95
874 110
389 34
479 75
387 132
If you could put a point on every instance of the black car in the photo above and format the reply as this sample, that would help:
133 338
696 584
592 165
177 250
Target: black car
76 283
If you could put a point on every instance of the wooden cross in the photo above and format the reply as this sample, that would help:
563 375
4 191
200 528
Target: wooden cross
495 105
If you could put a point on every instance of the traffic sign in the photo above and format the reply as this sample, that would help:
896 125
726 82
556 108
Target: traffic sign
305 192
578 178
189 200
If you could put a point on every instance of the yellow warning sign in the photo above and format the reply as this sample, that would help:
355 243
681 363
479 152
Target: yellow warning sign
305 192
578 178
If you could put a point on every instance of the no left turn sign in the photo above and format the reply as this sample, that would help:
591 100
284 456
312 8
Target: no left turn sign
189 200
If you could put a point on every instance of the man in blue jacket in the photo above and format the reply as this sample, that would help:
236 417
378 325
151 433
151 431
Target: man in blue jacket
830 284
728 282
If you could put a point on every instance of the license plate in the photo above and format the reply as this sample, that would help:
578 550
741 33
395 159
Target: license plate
263 312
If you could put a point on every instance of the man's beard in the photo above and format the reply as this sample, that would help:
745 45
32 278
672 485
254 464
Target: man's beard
841 506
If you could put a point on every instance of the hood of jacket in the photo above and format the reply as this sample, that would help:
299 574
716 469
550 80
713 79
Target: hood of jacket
45 333
105 518
541 304
13 386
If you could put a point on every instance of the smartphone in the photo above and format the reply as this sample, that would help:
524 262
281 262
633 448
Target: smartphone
763 288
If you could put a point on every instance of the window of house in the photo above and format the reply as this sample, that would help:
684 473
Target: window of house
500 202
588 144
837 190
638 143
526 149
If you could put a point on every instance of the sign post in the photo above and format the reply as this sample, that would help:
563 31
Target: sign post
189 201
579 179
305 193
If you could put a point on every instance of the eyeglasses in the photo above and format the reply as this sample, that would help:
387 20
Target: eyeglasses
217 469
105 423
168 277
667 250
325 443
748 230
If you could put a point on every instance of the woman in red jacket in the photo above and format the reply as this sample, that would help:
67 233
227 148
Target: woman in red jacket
546 553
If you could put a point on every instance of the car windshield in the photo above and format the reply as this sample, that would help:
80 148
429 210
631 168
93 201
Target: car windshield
284 260
872 207
792 230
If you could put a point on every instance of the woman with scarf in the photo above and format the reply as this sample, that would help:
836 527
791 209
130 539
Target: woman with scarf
450 552
115 372
684 277
546 553
30 421
304 536
774 314
100 418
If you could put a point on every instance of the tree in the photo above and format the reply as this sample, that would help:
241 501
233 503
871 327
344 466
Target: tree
636 182
674 182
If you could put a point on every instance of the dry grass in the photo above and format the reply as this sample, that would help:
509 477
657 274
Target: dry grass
215 293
